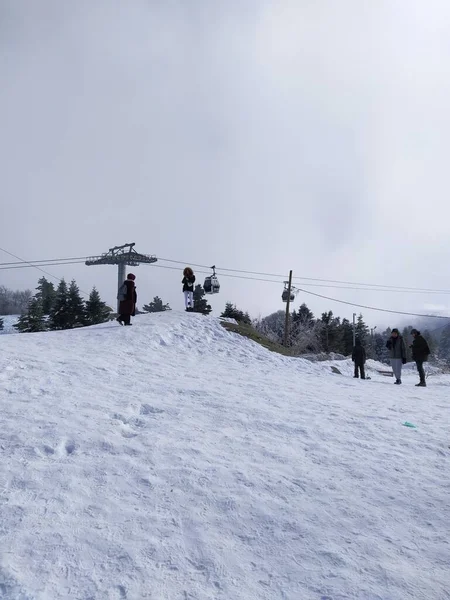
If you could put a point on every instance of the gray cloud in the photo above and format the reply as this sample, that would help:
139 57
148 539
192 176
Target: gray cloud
257 135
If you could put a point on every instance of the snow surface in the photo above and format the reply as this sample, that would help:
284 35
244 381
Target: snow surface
174 460
8 324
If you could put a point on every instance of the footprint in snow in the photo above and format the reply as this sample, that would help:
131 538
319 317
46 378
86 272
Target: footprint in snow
70 447
147 409
66 448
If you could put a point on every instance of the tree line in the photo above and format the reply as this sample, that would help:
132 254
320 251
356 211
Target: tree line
13 302
331 334
56 308
200 304
62 307
52 309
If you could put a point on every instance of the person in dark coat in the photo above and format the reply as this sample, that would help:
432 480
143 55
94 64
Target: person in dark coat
128 300
188 288
420 354
397 353
359 358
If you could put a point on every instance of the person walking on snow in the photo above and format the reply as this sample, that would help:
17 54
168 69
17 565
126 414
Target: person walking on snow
397 353
188 288
128 297
420 354
359 358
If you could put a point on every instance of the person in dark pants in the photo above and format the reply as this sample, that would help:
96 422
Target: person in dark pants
359 358
420 354
128 298
397 353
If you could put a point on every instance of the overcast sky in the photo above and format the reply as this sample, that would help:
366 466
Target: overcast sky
260 135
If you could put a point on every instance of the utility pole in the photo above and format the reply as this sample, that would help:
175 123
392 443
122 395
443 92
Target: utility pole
286 325
354 329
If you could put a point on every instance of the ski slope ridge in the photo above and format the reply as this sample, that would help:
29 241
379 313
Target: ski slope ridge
174 460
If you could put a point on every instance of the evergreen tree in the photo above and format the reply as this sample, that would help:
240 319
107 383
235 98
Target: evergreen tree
331 333
156 305
303 316
200 304
59 317
1 324
362 331
96 310
272 326
347 337
232 312
75 306
46 293
380 352
33 320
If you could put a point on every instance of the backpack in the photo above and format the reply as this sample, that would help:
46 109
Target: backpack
122 293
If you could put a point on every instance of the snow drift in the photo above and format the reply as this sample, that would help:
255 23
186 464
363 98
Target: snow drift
173 460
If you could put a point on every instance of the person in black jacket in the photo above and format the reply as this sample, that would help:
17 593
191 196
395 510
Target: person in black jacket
359 358
420 354
188 288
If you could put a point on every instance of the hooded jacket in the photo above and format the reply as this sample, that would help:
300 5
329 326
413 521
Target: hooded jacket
188 283
396 347
359 353
128 305
420 348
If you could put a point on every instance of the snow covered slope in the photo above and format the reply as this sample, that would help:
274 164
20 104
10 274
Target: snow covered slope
173 460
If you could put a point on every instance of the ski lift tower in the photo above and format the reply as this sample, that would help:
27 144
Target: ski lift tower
122 256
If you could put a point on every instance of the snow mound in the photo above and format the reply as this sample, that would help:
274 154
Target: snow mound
176 460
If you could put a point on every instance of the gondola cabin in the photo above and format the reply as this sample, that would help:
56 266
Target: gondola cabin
212 285
285 296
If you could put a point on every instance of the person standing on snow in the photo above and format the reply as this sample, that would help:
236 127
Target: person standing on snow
128 297
188 288
420 354
397 353
359 358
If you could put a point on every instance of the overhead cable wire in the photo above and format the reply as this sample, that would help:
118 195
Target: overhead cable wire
385 310
47 260
31 264
367 286
232 274
295 278
50 264
38 267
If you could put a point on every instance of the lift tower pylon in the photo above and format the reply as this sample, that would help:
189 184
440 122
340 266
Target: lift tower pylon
122 256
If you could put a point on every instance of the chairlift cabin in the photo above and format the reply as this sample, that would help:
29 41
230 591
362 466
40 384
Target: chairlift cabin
212 285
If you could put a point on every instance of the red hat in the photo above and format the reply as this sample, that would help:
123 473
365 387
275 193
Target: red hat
131 276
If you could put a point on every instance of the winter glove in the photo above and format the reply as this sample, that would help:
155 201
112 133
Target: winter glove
404 361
